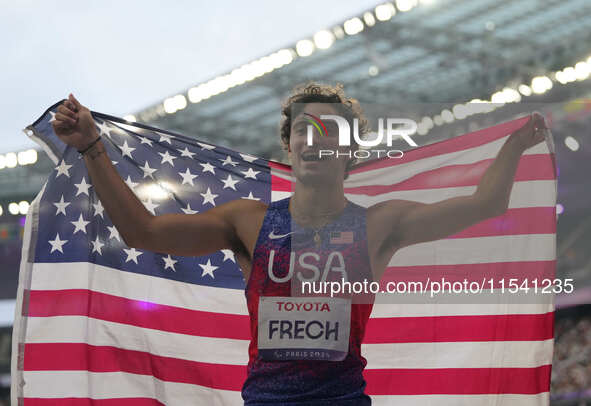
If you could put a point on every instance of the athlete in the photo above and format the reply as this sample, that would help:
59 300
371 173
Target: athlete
317 234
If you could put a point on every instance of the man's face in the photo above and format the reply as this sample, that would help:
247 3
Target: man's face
306 165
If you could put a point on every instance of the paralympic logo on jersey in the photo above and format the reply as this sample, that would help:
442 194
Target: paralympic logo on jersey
388 129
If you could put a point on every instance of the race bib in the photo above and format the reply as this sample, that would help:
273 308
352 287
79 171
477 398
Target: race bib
303 328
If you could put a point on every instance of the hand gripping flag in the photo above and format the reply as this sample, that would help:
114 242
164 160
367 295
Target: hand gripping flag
100 323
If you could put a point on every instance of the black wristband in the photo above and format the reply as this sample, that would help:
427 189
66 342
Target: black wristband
90 146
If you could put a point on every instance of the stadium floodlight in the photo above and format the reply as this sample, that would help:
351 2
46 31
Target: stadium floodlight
10 160
438 120
323 39
541 84
405 5
304 47
524 90
353 26
131 118
338 32
571 143
511 95
23 207
447 116
498 97
582 70
373 70
2 161
180 101
559 208
169 105
385 11
13 208
459 111
369 19
1 210
569 74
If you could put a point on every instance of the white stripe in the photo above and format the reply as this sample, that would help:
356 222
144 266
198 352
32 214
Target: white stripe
399 309
477 250
540 399
105 385
7 307
530 193
489 354
395 174
48 276
79 329
85 275
275 195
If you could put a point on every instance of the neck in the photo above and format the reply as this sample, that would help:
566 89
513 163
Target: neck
318 201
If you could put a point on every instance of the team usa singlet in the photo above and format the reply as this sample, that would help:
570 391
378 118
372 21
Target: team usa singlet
305 349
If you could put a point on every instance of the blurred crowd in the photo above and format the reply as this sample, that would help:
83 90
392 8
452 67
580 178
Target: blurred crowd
571 369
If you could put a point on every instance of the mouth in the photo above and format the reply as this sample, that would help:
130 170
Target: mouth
312 156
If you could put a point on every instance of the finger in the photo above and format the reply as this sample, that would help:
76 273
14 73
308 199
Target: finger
71 105
63 117
75 101
66 111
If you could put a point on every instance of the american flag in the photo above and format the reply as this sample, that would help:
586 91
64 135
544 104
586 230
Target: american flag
101 323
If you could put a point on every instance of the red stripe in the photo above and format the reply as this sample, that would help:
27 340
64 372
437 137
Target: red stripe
497 271
91 402
530 167
458 381
83 302
506 327
455 144
84 357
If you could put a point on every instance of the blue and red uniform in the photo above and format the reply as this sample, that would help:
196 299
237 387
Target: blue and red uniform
307 382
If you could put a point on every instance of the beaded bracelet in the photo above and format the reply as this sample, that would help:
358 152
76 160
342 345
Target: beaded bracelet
90 146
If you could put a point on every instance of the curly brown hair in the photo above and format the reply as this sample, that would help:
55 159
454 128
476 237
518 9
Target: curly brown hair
313 92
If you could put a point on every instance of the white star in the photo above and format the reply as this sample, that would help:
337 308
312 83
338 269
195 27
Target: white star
208 197
147 170
62 169
166 157
186 152
145 140
189 210
61 206
208 269
132 254
126 150
165 138
228 161
98 209
228 255
97 246
80 224
150 205
250 197
57 244
114 162
248 158
114 233
206 146
250 173
229 182
207 167
82 187
104 128
52 116
131 183
187 177
169 262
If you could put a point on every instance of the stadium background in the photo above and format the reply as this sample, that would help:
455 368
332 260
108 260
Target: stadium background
517 54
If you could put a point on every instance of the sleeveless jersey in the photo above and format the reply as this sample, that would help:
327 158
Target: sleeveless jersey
301 381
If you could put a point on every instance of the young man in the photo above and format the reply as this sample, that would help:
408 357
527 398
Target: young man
275 245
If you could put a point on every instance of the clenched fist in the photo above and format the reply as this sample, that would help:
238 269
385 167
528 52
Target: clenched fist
532 133
74 124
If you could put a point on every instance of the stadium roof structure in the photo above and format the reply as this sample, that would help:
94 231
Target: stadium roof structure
438 51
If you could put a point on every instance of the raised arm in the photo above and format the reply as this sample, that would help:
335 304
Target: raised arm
399 223
178 234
